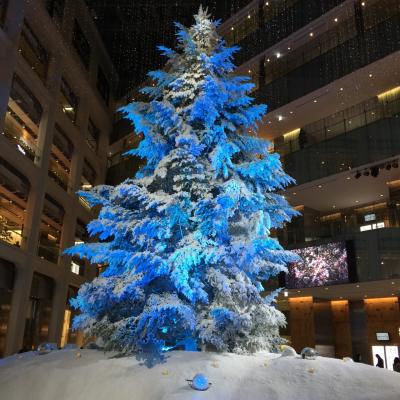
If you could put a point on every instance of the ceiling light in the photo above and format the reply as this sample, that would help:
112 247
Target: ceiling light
363 3
370 75
249 16
341 89
278 55
336 20
357 201
267 3
280 118
268 60
357 285
288 48
381 195
392 283
319 186
290 112
311 34
348 178
315 100
333 206
232 29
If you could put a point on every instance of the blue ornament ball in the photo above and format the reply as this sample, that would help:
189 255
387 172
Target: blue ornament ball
200 382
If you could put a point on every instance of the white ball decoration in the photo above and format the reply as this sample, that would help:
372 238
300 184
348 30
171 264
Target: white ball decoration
348 359
288 352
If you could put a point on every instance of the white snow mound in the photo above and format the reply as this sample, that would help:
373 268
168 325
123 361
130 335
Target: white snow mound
93 375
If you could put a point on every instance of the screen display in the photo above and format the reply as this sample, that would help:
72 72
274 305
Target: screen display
319 266
382 336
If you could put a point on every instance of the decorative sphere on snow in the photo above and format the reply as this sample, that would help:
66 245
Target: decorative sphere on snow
309 353
288 352
348 359
46 348
200 382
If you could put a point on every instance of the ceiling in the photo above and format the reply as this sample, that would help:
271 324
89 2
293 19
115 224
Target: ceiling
351 291
343 191
131 30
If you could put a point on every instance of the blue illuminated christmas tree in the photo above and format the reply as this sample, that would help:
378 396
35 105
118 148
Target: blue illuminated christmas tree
187 243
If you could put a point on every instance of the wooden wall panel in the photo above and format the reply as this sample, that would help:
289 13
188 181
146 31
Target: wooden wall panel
341 324
302 330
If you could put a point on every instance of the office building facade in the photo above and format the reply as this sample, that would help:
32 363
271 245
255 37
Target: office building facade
56 113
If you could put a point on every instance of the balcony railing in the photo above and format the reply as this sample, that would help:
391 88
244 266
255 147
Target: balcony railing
334 152
10 232
281 25
21 136
333 64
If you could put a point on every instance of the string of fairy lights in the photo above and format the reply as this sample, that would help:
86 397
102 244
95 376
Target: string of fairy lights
132 30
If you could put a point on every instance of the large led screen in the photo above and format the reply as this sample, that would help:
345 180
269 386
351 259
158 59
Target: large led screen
319 266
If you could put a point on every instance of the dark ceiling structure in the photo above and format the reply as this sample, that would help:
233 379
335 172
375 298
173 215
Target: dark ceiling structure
131 30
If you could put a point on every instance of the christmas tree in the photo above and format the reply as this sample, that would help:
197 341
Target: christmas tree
187 243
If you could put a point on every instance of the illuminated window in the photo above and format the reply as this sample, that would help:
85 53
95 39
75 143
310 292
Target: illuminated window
68 100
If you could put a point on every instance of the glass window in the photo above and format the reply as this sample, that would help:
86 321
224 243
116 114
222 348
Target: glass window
50 230
33 52
93 134
18 133
88 176
81 45
3 11
103 86
62 143
59 168
68 100
25 100
55 8
39 312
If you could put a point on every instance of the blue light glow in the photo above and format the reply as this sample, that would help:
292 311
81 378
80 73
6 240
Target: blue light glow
186 243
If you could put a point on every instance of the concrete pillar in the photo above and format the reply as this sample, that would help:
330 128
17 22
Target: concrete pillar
76 171
14 18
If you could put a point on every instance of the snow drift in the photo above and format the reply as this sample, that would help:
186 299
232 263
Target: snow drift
93 375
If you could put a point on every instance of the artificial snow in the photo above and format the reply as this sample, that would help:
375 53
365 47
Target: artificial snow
93 375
